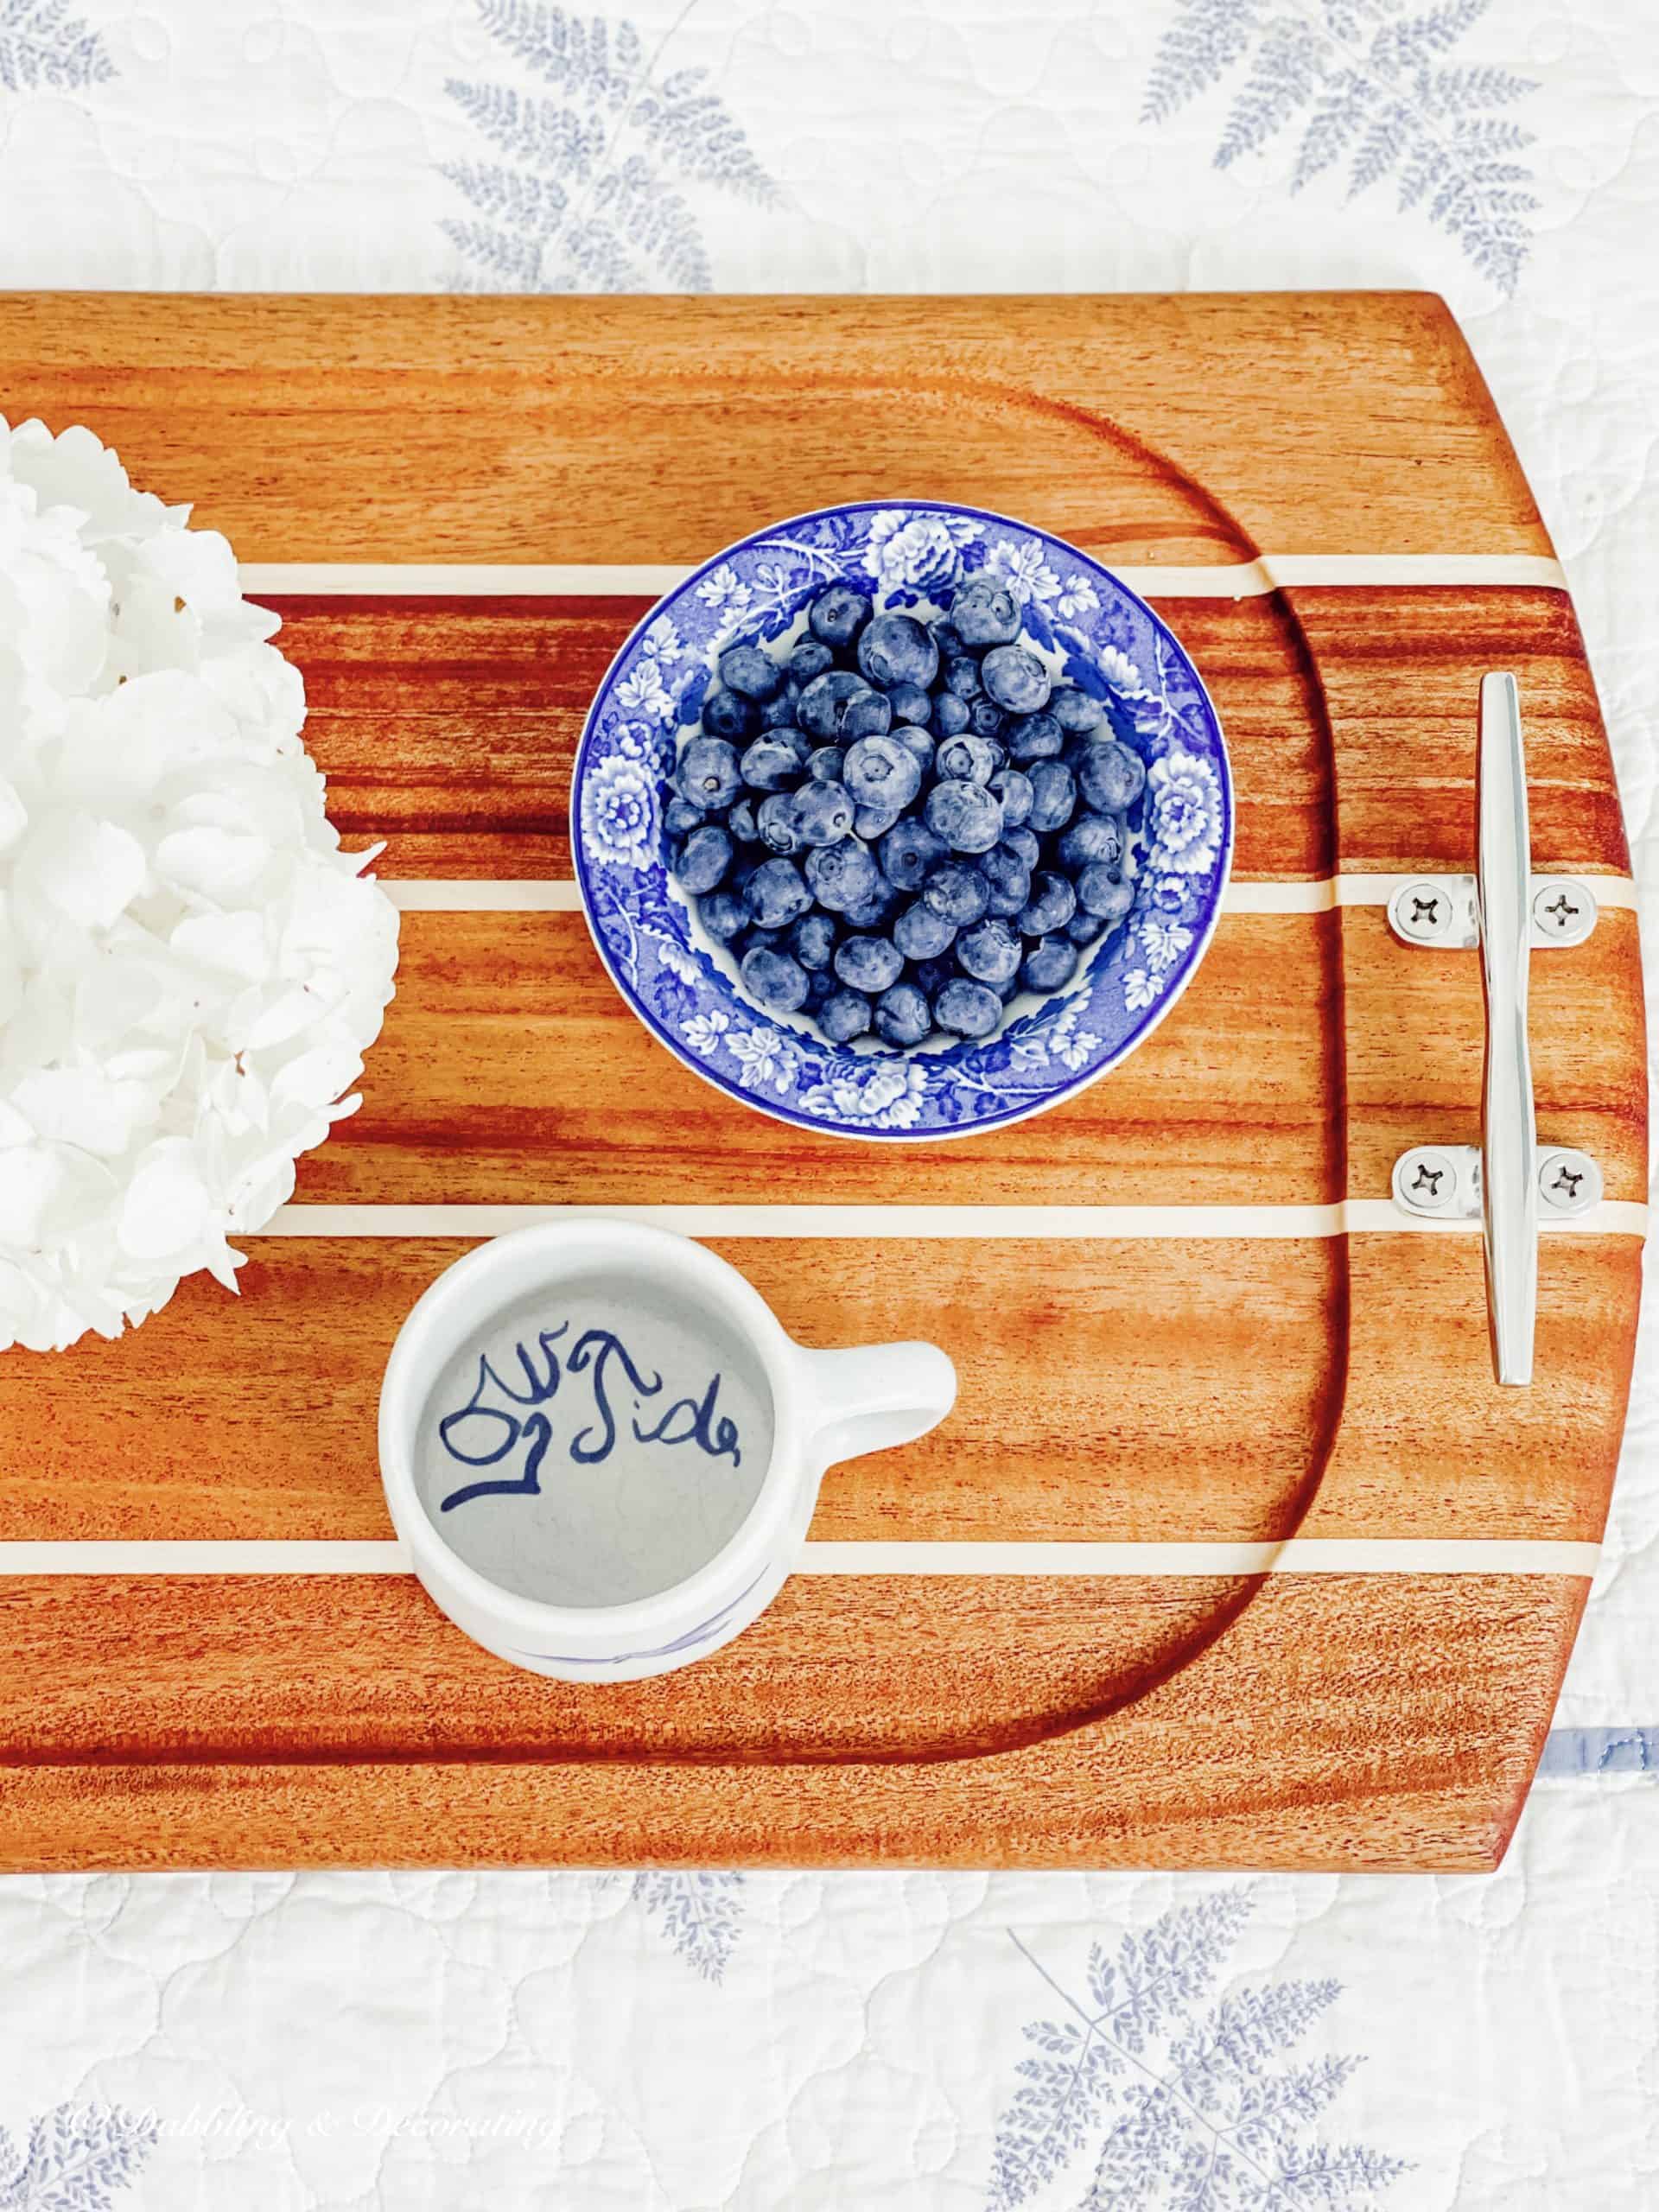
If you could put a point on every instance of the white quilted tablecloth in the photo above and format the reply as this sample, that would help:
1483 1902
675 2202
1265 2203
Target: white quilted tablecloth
284 2044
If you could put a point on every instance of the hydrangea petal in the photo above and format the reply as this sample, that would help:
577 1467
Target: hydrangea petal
190 967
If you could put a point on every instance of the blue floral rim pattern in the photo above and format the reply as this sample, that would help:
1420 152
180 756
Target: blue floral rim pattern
1094 632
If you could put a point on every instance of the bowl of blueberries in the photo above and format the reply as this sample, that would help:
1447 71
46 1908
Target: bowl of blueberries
901 821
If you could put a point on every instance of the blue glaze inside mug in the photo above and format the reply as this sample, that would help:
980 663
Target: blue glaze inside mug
595 1443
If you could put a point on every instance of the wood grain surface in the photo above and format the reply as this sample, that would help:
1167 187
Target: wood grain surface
1075 1423
1131 1389
448 726
511 1072
1339 1723
509 1069
1188 427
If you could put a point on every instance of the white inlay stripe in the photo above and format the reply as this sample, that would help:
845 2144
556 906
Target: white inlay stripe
432 896
1613 1218
532 895
232 1555
1300 1556
562 580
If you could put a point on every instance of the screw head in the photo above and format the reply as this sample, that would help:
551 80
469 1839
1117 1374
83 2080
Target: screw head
1568 1182
1421 912
1426 1180
1563 911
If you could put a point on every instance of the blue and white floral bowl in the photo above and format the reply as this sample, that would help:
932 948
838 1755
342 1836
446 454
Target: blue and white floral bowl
685 988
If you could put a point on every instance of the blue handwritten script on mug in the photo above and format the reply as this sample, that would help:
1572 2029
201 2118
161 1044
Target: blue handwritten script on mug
594 1442
492 1425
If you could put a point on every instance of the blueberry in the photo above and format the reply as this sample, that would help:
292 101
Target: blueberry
1049 966
921 934
902 1015
959 894
774 760
775 894
895 649
728 713
971 759
868 714
842 875
870 914
754 673
983 613
881 772
1092 838
1012 787
812 940
868 963
821 708
837 616
1008 874
1051 906
1020 792
824 813
722 913
908 851
707 856
778 820
967 1009
707 773
1075 710
965 815
844 1016
1034 737
1053 795
873 822
1110 776
1015 678
990 952
917 742
774 978
1100 893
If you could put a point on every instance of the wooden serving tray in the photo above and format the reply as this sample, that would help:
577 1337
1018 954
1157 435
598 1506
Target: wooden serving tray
1189 1325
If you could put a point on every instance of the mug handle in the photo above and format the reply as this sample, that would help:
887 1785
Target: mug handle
874 1396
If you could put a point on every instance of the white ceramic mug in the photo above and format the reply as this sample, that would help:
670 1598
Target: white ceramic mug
535 1436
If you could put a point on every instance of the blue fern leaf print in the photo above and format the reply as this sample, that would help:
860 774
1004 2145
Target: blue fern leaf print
1364 81
1199 47
78 2157
1187 2106
42 44
700 1914
588 195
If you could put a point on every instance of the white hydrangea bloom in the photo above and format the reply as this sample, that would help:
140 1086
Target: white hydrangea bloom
190 967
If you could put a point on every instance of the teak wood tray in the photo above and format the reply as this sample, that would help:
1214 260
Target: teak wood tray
1191 1326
